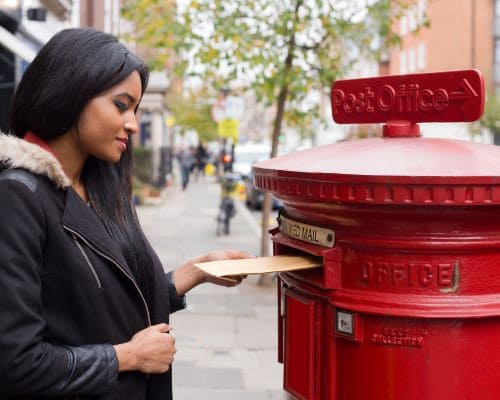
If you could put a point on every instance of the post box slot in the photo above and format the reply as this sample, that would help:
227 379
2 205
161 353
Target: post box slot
327 277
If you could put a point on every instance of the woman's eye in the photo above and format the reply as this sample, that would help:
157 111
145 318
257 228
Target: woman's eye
121 106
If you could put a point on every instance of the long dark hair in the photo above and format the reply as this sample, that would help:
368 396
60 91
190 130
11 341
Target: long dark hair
72 68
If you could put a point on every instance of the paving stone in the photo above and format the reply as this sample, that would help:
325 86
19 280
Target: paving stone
243 359
268 378
256 334
185 375
210 394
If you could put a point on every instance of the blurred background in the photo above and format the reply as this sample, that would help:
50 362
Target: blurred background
249 80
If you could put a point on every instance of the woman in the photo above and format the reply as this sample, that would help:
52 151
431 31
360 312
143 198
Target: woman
84 302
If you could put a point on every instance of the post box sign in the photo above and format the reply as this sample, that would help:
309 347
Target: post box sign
456 96
307 233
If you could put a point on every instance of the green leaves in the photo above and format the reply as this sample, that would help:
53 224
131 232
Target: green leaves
292 47
193 112
491 116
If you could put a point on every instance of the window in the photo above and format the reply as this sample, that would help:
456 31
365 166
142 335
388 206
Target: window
412 60
403 63
497 50
496 73
412 19
403 25
421 11
421 56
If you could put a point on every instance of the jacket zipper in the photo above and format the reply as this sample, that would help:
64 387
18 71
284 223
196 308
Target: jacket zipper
120 268
92 269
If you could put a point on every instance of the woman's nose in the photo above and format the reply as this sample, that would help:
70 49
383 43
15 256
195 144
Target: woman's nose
131 125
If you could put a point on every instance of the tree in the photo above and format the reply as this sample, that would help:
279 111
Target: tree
192 111
283 49
491 116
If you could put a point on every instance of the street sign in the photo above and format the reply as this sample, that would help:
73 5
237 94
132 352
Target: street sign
456 96
228 128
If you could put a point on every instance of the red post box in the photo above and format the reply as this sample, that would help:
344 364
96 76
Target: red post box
407 303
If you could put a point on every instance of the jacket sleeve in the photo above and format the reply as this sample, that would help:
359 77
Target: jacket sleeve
28 364
177 302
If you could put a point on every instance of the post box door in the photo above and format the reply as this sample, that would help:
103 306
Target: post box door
300 337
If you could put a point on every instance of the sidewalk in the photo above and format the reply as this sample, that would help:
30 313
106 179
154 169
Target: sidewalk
227 337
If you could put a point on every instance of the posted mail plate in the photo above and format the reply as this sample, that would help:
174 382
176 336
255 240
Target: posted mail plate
307 233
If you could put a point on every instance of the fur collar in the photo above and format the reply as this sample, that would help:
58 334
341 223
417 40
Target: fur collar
18 153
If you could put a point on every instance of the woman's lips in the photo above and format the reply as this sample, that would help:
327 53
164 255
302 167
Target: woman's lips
122 143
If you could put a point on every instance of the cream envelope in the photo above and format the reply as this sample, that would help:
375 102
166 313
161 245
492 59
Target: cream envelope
259 265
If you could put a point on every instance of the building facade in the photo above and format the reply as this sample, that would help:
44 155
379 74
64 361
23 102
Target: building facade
461 35
25 26
103 15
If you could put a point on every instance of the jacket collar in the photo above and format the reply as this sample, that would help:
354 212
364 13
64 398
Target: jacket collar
19 153
80 218
30 137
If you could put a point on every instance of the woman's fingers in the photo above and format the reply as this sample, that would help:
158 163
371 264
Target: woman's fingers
164 328
154 350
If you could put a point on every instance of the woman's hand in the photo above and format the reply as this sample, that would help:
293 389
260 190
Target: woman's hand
227 281
187 276
150 351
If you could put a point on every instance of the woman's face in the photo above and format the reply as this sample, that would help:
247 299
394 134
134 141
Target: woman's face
108 119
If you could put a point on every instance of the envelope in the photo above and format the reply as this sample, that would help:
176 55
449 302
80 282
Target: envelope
259 265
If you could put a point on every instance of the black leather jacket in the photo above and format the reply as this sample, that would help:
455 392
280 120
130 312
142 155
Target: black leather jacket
67 294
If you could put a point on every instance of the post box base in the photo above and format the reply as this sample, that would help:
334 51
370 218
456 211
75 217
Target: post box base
333 353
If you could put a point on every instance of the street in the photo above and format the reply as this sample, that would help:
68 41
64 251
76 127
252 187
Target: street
227 337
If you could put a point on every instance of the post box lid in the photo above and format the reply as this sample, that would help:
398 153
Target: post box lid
387 170
400 168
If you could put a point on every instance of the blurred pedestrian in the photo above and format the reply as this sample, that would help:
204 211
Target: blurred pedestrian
201 156
186 162
84 305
